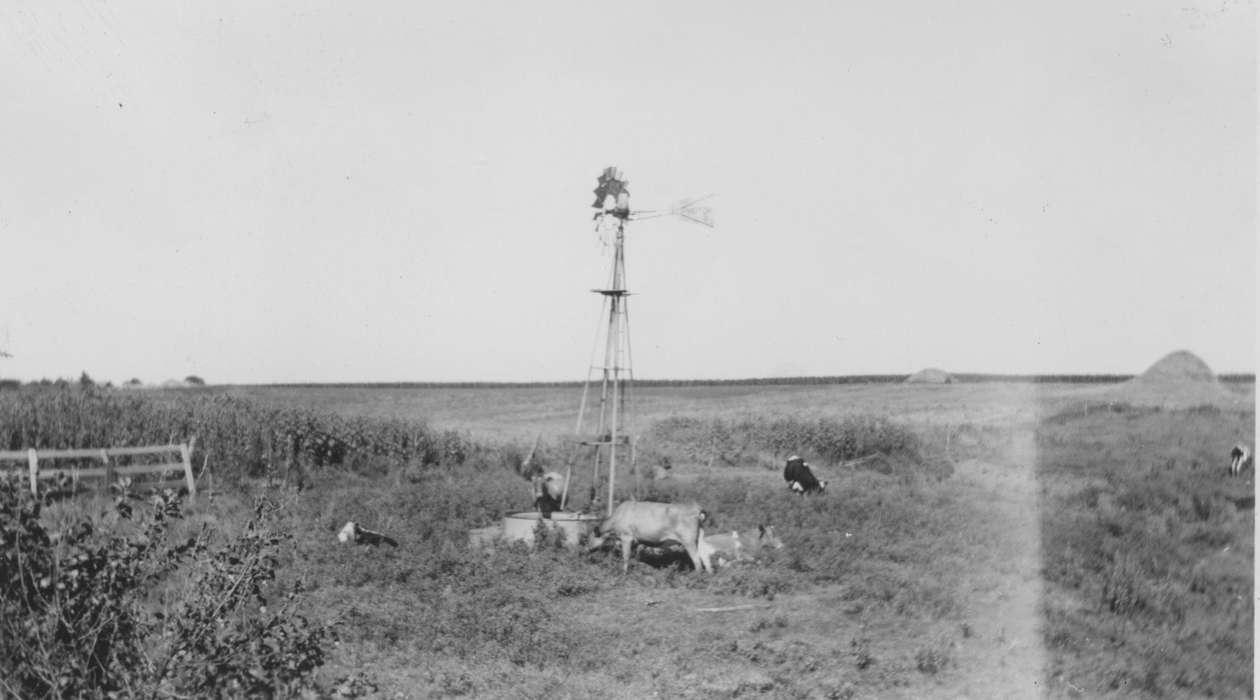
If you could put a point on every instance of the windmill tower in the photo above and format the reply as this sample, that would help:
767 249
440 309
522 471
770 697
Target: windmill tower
611 438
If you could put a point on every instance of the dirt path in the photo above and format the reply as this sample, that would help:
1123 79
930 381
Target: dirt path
1007 657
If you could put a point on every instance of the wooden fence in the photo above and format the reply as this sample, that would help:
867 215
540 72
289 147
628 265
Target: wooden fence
108 470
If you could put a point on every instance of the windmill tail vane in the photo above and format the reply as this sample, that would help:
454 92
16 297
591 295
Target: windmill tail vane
612 197
691 210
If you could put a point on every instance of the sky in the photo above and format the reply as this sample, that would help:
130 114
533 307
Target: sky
400 191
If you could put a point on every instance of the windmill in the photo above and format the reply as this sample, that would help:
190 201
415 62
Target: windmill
612 201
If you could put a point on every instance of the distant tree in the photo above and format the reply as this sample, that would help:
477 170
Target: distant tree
85 381
133 382
7 384
195 380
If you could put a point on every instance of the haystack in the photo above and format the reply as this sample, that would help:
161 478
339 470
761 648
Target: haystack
1179 380
930 375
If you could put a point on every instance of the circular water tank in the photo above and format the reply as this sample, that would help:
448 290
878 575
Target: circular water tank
521 526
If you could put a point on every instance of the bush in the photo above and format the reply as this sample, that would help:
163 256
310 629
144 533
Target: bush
76 621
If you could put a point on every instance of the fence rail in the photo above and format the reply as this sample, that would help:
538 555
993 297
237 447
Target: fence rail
109 471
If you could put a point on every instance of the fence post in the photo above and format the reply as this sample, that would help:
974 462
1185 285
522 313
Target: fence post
109 470
33 461
185 451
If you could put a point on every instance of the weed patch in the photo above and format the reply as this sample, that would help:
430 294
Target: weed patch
1141 533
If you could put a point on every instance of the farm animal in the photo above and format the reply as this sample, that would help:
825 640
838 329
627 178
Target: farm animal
658 472
735 546
652 523
548 490
1239 457
722 546
800 478
352 533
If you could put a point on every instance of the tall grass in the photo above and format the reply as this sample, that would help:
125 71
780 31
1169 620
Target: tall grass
1148 552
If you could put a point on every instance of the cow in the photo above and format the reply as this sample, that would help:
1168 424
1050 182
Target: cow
800 479
658 472
765 537
735 546
548 490
722 546
1239 457
352 533
656 524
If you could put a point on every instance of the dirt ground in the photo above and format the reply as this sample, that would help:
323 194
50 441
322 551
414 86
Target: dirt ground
807 644
1008 658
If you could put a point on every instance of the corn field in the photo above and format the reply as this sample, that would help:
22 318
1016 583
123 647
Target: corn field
238 437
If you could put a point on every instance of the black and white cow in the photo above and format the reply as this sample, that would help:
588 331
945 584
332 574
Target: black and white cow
800 478
352 533
1239 457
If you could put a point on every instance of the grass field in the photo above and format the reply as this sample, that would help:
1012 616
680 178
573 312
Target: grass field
1030 541
522 413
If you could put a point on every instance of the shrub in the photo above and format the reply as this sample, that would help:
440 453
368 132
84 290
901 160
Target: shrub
932 660
75 620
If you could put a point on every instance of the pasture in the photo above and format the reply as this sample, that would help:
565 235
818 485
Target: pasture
1017 540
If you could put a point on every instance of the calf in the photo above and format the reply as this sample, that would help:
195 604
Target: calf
737 546
1239 457
548 490
357 535
800 478
656 524
765 537
722 546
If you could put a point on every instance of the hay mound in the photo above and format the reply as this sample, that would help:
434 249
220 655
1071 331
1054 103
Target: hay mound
930 376
1179 380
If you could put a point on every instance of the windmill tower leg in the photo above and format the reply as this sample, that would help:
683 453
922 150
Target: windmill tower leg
610 433
614 326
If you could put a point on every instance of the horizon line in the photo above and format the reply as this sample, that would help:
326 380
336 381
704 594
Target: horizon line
957 377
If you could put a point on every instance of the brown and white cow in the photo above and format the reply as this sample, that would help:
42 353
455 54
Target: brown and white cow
656 524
